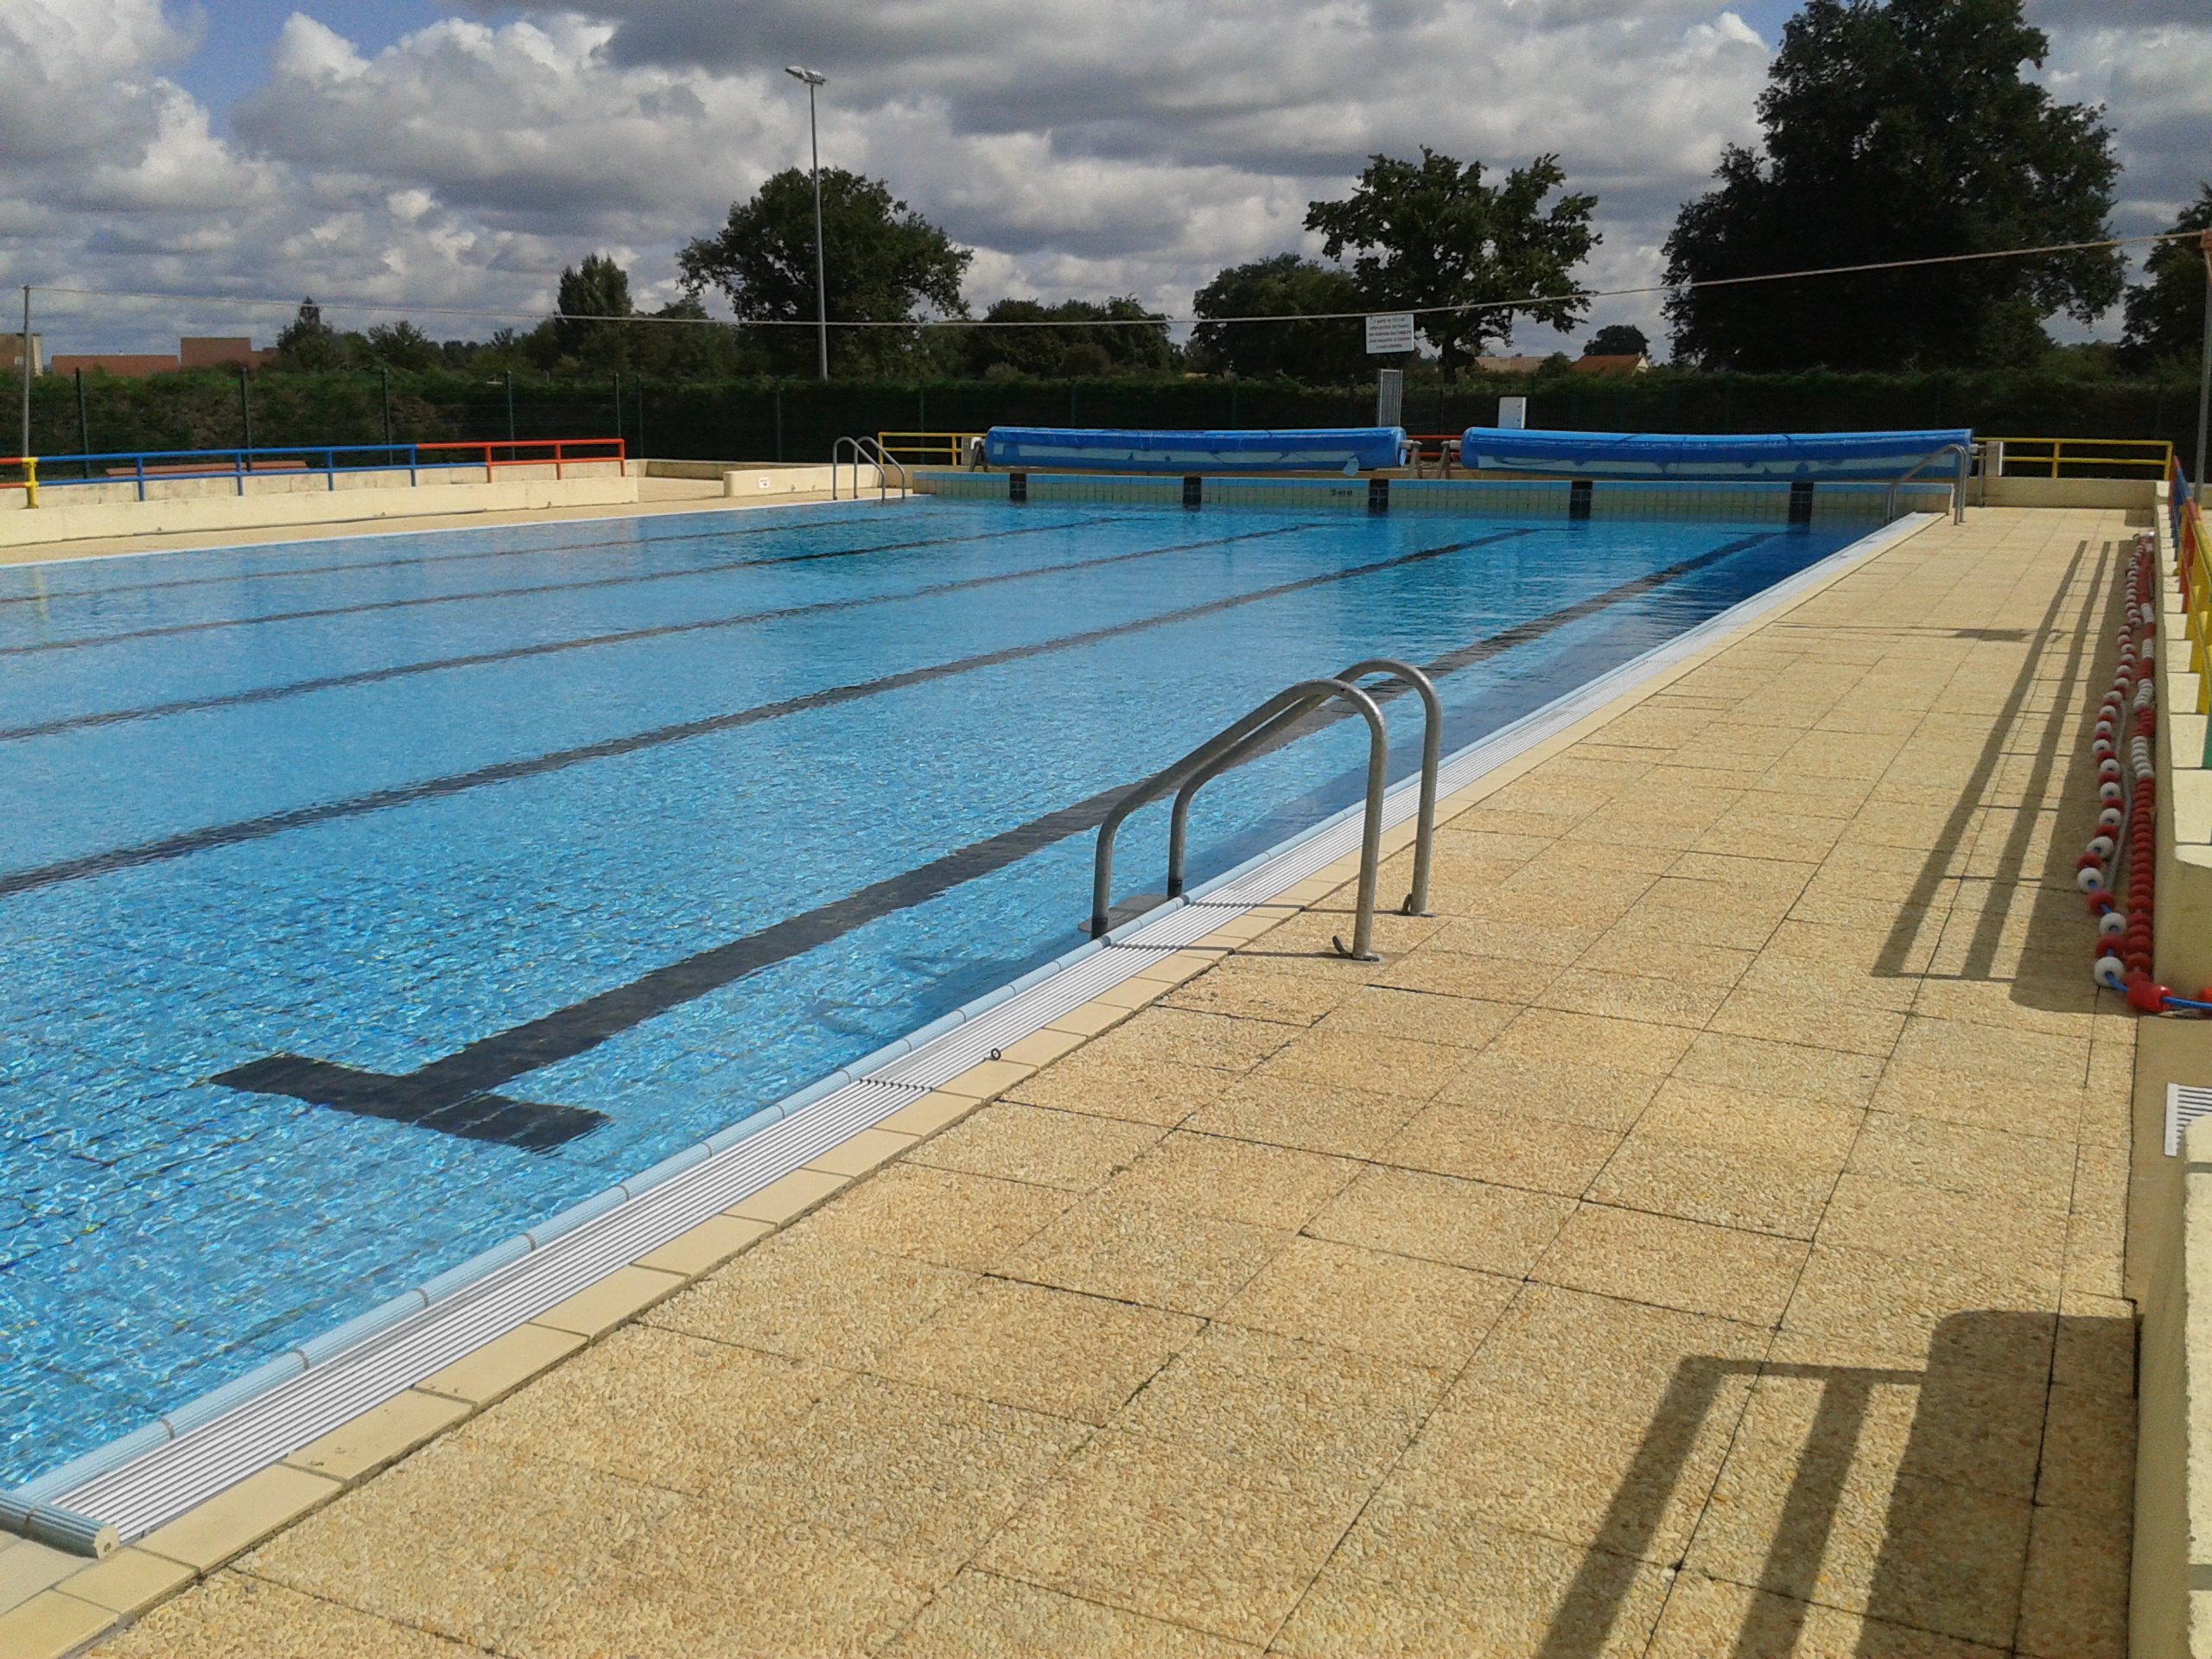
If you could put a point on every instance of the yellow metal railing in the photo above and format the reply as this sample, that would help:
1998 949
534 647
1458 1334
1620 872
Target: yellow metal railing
2193 570
29 483
928 448
2049 457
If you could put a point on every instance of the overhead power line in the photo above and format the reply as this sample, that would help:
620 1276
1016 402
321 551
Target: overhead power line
398 308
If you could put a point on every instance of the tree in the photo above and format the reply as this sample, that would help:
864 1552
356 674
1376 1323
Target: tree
401 346
598 288
1898 129
1431 233
1617 340
1117 336
883 262
2166 311
309 342
1326 353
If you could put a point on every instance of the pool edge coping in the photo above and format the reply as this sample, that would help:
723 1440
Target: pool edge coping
265 1489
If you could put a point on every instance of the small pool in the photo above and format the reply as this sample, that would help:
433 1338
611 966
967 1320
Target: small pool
365 900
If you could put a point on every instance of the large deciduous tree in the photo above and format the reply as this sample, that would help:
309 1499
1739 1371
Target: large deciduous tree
598 288
1323 353
1898 130
1431 233
2166 310
884 262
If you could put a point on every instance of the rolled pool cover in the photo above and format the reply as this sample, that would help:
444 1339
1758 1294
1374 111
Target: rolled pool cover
1748 456
1106 449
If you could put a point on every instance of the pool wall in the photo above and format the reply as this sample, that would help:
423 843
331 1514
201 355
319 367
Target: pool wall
147 1477
1834 505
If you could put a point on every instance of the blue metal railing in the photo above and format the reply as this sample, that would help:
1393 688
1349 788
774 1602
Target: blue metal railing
138 467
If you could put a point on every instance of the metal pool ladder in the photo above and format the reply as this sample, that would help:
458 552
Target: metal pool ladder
1269 727
867 452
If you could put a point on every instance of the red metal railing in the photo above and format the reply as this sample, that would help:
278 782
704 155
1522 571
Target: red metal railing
506 452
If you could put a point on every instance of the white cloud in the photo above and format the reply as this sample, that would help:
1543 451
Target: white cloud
1079 149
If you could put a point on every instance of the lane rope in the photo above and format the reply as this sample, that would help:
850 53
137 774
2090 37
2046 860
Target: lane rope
2123 743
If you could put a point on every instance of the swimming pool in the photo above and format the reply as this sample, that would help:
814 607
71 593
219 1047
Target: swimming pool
367 900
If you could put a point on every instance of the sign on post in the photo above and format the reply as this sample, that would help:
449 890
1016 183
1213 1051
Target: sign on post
1388 333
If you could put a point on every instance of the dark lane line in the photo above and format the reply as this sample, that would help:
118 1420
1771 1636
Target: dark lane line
276 571
403 670
456 1095
512 592
256 829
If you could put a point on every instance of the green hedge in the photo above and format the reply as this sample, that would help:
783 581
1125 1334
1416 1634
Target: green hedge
760 420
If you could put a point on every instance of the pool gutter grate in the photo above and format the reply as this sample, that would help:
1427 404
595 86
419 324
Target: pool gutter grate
148 1478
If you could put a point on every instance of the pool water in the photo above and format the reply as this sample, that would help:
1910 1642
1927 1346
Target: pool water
364 901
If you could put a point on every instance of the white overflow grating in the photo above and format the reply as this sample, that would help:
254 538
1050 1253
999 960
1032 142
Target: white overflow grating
2184 1105
137 1486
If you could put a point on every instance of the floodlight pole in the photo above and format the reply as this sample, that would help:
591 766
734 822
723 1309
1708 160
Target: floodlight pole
813 79
2204 377
26 448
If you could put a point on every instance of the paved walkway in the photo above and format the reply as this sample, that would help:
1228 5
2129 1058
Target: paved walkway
1701 1237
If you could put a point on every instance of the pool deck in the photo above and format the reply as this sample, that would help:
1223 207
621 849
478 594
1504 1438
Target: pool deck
1703 1234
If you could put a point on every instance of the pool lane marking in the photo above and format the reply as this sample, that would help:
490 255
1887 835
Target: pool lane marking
463 1084
264 573
244 830
634 580
401 671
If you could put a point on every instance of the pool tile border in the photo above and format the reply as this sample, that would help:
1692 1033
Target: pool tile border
75 1608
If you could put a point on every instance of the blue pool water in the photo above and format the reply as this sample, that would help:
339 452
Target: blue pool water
549 850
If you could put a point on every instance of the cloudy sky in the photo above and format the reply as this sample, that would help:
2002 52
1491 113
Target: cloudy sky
418 153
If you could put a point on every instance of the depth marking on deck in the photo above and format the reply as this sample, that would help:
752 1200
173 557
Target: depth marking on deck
456 1094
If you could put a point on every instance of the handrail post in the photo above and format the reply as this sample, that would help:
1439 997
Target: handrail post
237 468
330 470
1225 749
1432 752
30 481
139 461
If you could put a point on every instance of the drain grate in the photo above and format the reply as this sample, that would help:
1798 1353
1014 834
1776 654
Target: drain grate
2184 1105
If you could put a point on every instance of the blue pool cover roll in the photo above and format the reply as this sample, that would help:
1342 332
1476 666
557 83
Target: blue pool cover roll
1748 456
1104 449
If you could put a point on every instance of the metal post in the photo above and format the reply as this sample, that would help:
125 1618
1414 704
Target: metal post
2204 381
25 448
245 403
510 406
641 417
618 402
84 423
386 376
821 262
777 393
814 80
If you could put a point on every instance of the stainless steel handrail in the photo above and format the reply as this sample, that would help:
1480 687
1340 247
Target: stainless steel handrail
1958 493
869 452
1416 901
1306 694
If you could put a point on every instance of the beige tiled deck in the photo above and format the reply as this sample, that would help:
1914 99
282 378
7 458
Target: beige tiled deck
1701 1237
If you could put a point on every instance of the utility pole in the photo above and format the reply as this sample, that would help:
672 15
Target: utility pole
814 79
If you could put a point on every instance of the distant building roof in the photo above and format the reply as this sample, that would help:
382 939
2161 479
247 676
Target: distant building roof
220 352
1613 365
1508 364
129 365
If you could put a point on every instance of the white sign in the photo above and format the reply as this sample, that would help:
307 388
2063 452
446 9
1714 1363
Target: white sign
1391 331
1512 414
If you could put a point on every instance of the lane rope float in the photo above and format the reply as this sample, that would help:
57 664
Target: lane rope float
2123 744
